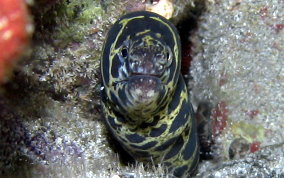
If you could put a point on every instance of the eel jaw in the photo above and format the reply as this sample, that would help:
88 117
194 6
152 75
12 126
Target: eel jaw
144 90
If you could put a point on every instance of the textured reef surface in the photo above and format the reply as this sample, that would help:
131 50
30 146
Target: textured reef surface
50 116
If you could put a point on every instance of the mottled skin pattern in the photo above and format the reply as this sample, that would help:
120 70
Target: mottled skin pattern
145 99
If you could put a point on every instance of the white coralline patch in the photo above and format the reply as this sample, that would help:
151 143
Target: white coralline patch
163 7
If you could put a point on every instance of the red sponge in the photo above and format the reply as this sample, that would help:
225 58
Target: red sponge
13 34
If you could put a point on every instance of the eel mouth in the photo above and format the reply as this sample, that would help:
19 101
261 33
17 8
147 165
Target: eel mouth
144 89
133 74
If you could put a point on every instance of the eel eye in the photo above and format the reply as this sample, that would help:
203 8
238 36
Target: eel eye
124 52
168 56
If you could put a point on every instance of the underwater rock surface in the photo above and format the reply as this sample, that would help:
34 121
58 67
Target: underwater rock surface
50 118
239 63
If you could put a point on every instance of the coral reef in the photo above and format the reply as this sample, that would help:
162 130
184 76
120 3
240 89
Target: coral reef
50 119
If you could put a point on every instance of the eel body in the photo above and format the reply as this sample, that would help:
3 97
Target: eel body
144 96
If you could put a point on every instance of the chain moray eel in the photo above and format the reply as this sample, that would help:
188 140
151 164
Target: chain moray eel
144 96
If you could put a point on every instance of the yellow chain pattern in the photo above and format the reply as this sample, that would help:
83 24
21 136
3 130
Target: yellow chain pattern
164 130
